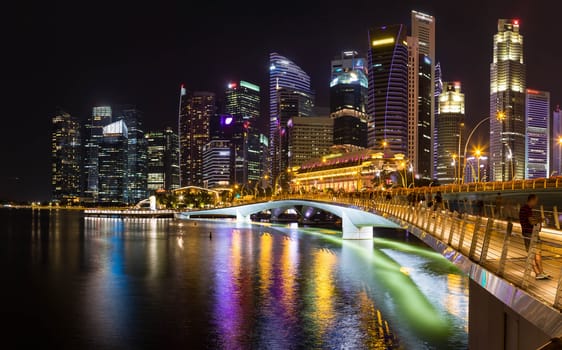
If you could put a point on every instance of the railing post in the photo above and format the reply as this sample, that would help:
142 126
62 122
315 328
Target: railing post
477 225
506 242
436 217
423 218
486 242
451 234
558 297
530 256
428 220
556 220
462 223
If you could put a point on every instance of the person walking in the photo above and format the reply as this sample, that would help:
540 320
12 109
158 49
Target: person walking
530 223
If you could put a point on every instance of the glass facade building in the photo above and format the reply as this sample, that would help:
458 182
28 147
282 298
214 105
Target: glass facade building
195 111
537 117
309 137
65 157
507 104
348 99
93 133
136 154
388 89
290 95
556 137
113 164
162 158
450 121
217 162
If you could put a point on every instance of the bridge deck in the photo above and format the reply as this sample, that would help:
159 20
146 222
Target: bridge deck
491 244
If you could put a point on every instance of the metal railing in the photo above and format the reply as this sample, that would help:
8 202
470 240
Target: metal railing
497 245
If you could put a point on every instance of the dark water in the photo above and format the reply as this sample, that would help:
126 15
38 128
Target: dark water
74 282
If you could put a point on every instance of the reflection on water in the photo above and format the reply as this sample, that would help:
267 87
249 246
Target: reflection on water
111 283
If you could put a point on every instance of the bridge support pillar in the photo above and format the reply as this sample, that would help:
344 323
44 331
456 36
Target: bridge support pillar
351 231
240 218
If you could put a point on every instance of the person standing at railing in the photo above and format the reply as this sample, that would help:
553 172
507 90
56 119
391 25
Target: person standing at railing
529 223
499 206
438 201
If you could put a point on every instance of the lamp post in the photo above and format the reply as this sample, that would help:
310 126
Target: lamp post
478 154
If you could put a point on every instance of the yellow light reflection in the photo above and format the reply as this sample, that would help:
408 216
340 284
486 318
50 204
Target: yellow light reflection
324 288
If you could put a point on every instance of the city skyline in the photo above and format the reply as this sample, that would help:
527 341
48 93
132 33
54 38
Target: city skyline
160 113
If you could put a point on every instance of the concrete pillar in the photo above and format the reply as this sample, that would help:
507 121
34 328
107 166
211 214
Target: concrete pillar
493 325
350 231
240 218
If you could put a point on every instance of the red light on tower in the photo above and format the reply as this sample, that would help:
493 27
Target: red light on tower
516 22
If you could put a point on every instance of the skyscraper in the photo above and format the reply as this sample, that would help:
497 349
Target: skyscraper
195 110
423 28
450 123
388 88
243 98
101 116
162 157
113 164
537 118
136 153
348 99
507 104
65 157
217 164
413 105
557 141
289 96
438 88
309 137
426 119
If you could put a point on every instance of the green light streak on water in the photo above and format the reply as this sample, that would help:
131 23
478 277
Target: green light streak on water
411 304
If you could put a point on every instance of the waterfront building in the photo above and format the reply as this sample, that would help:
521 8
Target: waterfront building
349 169
162 157
450 128
113 165
93 133
217 164
537 119
136 153
195 111
507 104
65 157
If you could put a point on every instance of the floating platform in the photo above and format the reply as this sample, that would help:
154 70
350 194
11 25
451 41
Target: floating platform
130 213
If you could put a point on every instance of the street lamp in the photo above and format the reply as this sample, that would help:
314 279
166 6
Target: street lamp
500 116
478 154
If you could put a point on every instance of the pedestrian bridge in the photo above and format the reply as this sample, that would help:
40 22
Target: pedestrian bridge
356 222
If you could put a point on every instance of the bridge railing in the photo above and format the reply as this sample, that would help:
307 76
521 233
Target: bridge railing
496 245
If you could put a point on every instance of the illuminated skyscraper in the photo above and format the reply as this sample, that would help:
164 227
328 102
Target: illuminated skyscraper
136 153
537 117
113 164
289 96
556 137
423 28
450 133
348 99
65 157
507 104
195 111
388 89
162 156
217 164
309 137
438 88
101 116
243 98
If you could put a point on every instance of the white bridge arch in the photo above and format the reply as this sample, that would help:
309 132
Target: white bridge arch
356 223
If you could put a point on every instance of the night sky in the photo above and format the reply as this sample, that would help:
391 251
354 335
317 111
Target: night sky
80 54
